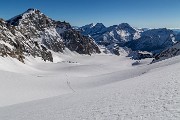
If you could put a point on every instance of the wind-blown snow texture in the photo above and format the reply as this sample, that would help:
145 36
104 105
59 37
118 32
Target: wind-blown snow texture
103 87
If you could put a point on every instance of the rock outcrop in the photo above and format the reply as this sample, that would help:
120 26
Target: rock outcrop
33 33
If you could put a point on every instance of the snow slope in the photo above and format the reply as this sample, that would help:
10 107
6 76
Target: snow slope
102 87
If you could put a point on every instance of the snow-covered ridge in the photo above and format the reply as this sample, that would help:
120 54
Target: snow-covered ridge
39 34
112 37
119 33
154 40
137 39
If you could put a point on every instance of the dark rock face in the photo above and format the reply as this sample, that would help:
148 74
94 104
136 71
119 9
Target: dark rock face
138 55
75 41
154 40
81 44
114 49
168 53
177 37
93 30
33 33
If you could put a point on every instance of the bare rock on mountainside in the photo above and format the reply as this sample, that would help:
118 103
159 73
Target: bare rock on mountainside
15 44
118 34
37 27
154 40
75 41
168 53
123 35
33 33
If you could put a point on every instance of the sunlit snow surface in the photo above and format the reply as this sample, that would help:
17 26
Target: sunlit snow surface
97 87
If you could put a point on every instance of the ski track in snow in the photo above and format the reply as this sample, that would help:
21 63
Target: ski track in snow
110 89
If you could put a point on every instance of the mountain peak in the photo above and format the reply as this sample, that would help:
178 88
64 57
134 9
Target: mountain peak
30 14
91 25
99 24
124 25
32 10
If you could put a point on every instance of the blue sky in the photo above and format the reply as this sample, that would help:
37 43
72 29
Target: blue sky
138 13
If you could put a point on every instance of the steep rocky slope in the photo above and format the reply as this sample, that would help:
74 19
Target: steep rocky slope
15 44
118 34
123 35
93 30
168 53
154 40
75 41
33 33
113 37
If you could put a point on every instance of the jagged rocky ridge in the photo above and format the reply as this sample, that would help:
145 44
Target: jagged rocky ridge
154 40
14 44
113 37
33 33
123 35
118 34
75 41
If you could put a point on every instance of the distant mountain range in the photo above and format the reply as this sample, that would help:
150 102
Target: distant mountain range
34 34
123 35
